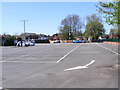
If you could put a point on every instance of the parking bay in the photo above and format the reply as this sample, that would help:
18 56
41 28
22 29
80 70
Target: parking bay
37 67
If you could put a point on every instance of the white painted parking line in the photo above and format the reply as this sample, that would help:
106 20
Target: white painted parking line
80 67
108 49
67 54
0 88
11 59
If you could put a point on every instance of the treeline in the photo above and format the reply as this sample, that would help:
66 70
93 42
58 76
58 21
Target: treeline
72 26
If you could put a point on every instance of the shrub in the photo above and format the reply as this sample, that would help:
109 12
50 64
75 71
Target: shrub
41 41
113 39
9 41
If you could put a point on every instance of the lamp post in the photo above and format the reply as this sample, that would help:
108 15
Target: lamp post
24 24
24 29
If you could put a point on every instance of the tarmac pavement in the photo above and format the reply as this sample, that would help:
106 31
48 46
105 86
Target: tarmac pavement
64 65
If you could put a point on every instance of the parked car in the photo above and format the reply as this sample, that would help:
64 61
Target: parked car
22 44
32 43
101 39
79 41
26 43
57 41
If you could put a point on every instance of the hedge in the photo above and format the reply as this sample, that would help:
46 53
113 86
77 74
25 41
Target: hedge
41 41
9 41
113 39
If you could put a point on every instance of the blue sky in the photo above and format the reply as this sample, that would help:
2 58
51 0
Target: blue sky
43 17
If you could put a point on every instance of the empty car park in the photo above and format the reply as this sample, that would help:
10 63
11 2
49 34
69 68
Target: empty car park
60 65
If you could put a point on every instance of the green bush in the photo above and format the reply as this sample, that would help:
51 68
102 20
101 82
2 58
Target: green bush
41 41
9 41
113 39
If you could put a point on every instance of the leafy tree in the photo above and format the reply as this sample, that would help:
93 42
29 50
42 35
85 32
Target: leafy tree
113 31
71 27
111 10
94 27
65 31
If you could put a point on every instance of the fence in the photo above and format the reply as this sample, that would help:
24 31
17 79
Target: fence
41 41
114 41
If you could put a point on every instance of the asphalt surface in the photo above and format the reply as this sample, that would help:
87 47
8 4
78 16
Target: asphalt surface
47 66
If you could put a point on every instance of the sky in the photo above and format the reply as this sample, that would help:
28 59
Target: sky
43 17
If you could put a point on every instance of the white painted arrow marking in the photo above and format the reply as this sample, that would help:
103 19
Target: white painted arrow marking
74 68
89 63
0 88
80 67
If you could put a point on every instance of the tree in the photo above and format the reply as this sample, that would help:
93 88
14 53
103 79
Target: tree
65 31
94 27
113 31
111 10
71 27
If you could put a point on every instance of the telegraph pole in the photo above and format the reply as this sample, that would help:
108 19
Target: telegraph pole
24 21
24 24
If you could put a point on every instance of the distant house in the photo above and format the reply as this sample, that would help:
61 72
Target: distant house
43 37
55 37
80 38
35 36
106 36
113 36
29 36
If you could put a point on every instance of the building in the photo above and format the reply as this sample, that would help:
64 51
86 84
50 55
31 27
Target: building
43 37
55 37
29 36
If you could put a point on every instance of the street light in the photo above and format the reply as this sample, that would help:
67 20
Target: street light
24 24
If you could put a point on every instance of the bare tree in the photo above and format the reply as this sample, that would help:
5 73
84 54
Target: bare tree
72 26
